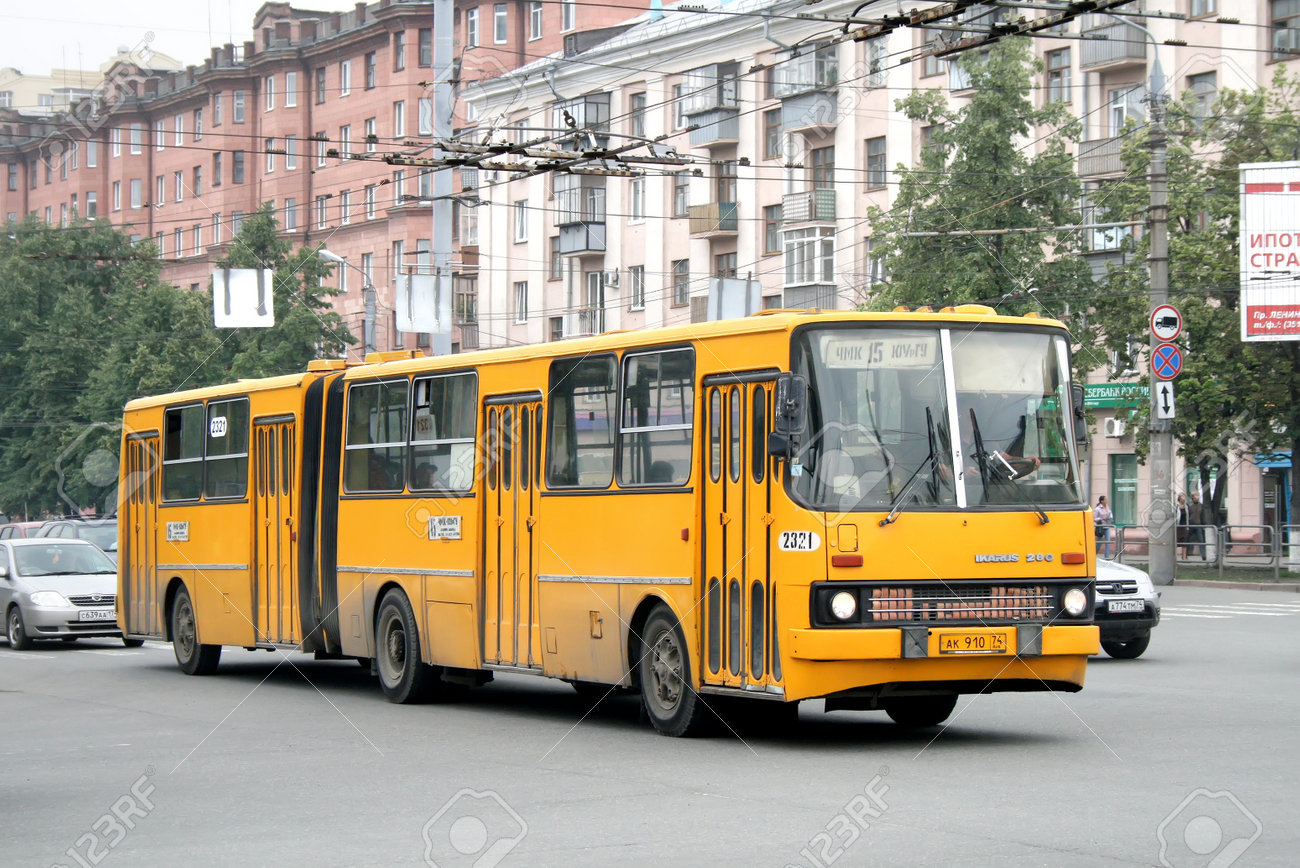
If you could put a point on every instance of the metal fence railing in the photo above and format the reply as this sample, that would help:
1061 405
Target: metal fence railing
1217 546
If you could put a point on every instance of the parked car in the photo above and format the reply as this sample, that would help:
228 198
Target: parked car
57 589
101 531
19 529
1127 607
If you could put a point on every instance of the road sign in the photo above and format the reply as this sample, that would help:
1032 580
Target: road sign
1166 361
1166 322
1165 401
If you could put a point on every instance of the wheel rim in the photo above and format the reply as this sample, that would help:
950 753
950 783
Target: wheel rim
186 636
392 649
15 628
666 671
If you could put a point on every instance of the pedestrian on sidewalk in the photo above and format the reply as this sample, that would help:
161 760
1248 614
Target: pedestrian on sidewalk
1103 521
1196 520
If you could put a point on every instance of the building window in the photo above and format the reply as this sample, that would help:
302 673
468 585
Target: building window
268 87
568 14
92 154
178 181
809 256
137 193
1125 103
345 77
636 287
370 64
556 262
197 237
425 46
198 125
1201 8
424 108
322 211
636 200
772 229
681 282
179 123
876 173
217 109
237 167
399 51
823 168
1204 87
345 207
13 176
521 221
290 214
216 228
137 138
933 65
521 301
372 137
179 236
399 119
877 60
724 182
681 194
636 113
471 28
321 147
291 152
399 186
724 265
216 169
236 222
160 190
1058 75
115 142
370 201
159 132
875 265
320 85
345 141
535 20
92 204
679 106
500 23
117 195
270 155
290 89
197 185
237 106
772 134
160 241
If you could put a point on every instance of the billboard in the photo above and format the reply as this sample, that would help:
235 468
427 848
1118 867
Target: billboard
1270 251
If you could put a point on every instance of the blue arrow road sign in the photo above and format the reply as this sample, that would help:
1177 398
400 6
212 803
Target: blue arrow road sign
1166 361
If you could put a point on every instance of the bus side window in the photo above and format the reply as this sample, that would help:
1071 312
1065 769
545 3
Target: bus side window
375 451
183 434
442 432
657 419
580 445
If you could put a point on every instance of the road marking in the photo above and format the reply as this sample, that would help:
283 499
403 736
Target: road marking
1228 610
103 652
1168 614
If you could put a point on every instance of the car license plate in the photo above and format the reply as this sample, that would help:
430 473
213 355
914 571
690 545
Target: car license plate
1125 606
972 643
97 615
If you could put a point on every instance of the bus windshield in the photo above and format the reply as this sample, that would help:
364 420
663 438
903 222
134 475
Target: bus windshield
881 420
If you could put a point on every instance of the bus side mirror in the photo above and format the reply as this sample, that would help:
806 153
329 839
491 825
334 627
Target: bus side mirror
1080 415
790 415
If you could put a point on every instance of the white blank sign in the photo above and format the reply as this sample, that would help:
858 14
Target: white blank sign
243 298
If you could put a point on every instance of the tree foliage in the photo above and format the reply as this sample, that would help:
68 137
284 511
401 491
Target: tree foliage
979 171
89 324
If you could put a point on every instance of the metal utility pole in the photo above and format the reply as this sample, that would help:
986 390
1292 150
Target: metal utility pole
1161 517
443 78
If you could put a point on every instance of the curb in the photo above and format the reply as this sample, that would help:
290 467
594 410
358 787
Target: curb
1293 587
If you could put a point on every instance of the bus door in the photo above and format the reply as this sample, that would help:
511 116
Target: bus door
511 634
737 643
138 552
275 561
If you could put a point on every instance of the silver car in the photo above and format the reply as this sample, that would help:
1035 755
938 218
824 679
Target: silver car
1127 607
57 589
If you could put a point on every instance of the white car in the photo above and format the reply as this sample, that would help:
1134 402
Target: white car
57 589
1127 607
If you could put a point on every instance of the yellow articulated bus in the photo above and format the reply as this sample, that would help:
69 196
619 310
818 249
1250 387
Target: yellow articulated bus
882 510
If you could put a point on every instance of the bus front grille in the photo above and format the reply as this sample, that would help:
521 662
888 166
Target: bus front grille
939 602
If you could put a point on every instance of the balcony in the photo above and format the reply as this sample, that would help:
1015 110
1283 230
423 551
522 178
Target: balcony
1100 157
810 111
582 238
583 115
582 321
1114 44
714 219
716 126
813 296
810 206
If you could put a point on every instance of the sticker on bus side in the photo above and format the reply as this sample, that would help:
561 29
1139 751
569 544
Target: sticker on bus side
444 527
178 531
799 541
217 427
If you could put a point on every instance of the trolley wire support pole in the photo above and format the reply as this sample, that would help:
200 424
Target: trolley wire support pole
1161 517
444 76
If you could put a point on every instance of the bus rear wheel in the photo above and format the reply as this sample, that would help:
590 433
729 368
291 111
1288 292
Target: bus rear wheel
667 690
193 658
403 676
921 710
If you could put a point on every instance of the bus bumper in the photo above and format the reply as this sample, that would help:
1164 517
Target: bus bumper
929 642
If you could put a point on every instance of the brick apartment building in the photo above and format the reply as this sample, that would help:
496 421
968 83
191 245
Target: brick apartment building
298 117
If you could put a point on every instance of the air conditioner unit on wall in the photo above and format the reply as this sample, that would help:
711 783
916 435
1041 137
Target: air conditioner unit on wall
611 277
1115 427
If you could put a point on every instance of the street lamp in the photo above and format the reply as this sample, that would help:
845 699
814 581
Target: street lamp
367 295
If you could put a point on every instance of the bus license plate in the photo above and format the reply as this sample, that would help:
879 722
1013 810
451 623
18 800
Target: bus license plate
97 615
972 643
1124 605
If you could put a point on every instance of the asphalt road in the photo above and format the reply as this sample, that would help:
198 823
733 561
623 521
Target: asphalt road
110 756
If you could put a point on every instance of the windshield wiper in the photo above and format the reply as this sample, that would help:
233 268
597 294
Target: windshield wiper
983 459
915 479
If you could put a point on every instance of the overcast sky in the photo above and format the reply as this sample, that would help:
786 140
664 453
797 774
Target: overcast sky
36 37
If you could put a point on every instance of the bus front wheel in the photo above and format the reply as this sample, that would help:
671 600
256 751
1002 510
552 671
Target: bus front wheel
403 676
193 658
667 691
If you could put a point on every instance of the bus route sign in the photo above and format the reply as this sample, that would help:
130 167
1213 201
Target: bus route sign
1166 361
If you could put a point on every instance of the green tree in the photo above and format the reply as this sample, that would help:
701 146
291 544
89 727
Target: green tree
1230 392
983 169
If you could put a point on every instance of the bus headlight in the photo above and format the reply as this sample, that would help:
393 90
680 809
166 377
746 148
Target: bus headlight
1075 602
844 605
